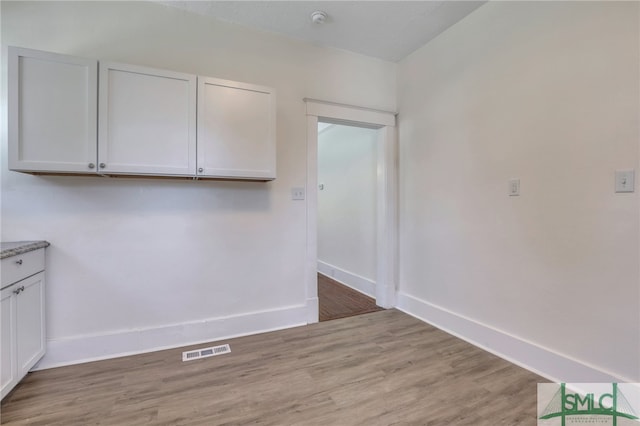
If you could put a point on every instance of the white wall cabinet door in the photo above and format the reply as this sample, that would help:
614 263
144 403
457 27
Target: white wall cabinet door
8 365
52 109
147 121
30 325
236 130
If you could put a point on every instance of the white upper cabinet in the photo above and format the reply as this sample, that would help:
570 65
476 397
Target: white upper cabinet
69 115
147 121
236 130
52 112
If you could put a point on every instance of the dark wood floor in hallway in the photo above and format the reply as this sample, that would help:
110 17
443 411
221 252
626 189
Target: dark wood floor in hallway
339 301
382 368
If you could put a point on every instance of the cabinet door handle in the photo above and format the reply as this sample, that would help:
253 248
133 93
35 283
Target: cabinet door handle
92 166
19 262
102 165
18 290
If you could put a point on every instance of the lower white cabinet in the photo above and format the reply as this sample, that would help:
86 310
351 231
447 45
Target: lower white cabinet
22 334
8 357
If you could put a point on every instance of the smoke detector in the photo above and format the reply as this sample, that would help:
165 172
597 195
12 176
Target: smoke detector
318 17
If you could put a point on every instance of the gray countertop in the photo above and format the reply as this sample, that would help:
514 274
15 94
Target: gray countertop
14 248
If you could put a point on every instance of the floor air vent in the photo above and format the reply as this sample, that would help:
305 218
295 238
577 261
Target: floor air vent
205 352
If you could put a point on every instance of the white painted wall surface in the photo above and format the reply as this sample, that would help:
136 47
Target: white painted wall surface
137 264
547 92
347 164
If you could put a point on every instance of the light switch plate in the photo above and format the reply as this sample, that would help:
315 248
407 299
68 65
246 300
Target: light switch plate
625 180
297 194
514 187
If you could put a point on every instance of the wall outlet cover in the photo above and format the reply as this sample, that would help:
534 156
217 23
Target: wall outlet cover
297 194
625 180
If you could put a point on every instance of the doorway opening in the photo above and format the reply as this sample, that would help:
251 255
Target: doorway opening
347 168
381 265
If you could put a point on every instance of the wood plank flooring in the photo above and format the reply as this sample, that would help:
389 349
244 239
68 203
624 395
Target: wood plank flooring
339 301
382 368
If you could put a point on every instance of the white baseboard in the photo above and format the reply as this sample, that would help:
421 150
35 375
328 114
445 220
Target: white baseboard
80 349
313 310
542 361
356 282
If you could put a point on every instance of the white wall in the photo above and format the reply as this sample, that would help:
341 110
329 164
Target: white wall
546 92
136 264
347 164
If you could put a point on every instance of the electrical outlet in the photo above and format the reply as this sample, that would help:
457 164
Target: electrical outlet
514 187
297 193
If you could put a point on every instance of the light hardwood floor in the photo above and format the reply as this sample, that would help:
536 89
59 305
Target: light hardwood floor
382 368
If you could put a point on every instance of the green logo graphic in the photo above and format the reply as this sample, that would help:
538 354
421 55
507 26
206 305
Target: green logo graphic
566 403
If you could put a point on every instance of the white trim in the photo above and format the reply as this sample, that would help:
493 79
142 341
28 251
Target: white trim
543 361
386 222
347 113
87 348
311 276
386 214
357 282
313 309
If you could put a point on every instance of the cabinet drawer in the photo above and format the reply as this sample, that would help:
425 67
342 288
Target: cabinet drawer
16 268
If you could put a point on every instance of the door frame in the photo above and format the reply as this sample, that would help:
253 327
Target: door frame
386 196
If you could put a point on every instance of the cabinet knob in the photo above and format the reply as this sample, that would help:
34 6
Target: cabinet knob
102 165
92 166
19 262
200 170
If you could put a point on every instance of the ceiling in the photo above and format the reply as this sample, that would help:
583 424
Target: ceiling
388 30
